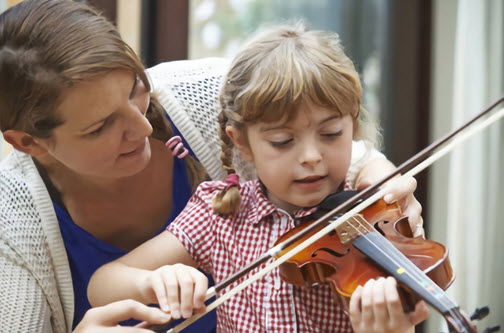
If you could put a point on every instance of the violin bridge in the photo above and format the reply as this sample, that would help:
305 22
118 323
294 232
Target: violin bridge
352 228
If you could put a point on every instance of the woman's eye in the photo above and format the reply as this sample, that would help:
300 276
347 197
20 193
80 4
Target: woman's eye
135 87
96 131
280 143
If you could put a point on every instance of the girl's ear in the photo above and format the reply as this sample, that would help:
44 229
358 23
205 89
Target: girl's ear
24 142
240 141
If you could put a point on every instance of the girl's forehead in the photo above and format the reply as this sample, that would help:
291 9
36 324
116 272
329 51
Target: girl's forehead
303 117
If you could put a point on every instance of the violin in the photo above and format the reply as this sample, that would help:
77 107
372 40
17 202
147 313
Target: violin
360 243
377 242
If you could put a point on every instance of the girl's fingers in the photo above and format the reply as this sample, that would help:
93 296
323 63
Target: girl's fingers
367 303
380 310
159 289
171 285
354 307
399 188
186 288
394 305
200 289
420 314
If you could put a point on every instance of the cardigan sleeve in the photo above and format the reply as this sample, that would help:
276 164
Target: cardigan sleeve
23 306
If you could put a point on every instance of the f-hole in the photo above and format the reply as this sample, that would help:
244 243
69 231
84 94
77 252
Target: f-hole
377 227
331 252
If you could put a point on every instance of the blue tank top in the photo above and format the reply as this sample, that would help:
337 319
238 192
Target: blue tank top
87 253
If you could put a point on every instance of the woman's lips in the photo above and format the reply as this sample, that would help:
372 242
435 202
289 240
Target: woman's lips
137 151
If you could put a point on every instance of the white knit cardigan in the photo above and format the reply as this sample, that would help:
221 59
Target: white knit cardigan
36 292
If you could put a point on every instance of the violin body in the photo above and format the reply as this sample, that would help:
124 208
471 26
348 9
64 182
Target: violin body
335 260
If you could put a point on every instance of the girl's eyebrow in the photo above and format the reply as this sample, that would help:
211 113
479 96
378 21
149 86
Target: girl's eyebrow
329 118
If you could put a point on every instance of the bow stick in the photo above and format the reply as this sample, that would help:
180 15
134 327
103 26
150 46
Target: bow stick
411 167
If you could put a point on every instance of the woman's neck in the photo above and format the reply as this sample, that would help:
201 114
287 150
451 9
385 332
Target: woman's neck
65 181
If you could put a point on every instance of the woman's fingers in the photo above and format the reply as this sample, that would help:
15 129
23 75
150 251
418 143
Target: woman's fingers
107 317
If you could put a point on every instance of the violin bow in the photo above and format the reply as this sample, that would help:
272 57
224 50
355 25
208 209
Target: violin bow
350 207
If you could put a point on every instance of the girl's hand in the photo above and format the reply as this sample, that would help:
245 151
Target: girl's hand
106 318
178 289
377 308
399 189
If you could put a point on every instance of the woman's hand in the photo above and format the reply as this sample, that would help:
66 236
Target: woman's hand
106 318
178 289
399 189
377 308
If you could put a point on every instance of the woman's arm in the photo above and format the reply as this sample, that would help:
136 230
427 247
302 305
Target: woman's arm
157 271
106 318
23 305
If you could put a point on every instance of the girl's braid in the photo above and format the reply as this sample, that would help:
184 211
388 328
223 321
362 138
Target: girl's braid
228 200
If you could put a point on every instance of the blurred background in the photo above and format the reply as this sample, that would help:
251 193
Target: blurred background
426 66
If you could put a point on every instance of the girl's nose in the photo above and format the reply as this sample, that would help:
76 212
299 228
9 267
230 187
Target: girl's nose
138 126
310 154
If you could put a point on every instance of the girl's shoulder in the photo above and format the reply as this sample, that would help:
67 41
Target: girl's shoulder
208 189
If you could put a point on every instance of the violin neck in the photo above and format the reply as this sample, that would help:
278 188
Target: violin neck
395 263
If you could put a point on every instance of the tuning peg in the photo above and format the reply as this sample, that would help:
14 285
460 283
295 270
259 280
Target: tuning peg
492 329
480 313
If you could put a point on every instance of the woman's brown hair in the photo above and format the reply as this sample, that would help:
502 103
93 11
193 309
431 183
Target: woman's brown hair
48 45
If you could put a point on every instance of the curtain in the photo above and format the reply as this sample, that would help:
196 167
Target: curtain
467 192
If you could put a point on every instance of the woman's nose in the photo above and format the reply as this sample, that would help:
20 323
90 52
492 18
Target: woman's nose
138 126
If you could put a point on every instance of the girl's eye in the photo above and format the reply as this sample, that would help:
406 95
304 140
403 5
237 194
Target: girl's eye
280 143
331 135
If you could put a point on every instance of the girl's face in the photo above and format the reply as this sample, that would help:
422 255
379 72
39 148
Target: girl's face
304 160
105 132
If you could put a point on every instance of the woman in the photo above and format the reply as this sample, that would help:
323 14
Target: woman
90 177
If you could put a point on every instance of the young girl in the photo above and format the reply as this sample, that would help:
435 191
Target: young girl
291 106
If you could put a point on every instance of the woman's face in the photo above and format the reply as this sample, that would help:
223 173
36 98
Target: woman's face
104 132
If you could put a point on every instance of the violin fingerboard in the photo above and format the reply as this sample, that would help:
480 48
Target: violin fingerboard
382 252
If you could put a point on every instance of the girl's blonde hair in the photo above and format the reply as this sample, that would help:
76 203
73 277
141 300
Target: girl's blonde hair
48 45
273 75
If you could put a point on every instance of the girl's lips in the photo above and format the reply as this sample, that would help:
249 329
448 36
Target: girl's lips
309 180
310 183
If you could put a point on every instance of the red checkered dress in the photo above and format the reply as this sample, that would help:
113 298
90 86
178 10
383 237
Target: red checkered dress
222 245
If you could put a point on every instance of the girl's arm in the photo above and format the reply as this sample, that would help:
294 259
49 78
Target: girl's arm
158 271
377 308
